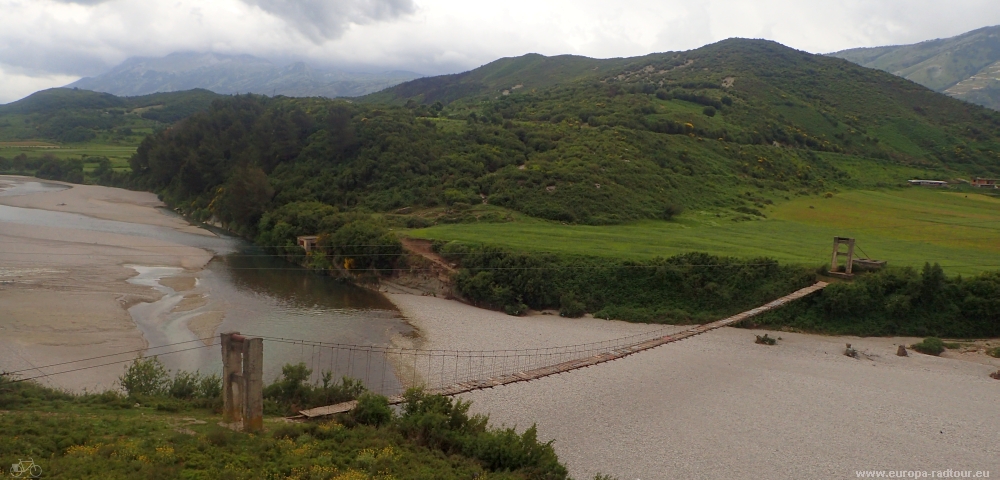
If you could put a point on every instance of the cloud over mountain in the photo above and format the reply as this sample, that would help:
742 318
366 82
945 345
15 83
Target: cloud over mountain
326 19
49 39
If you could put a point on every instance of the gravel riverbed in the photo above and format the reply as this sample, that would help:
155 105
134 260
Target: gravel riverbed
720 406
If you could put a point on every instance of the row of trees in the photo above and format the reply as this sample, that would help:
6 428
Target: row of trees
686 288
901 301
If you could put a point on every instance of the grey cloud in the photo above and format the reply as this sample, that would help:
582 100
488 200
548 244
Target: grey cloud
39 58
327 19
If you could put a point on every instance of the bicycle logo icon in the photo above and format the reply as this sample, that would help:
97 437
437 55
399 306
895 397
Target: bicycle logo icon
19 469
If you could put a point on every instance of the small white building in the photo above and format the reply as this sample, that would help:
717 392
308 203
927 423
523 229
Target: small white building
929 183
308 242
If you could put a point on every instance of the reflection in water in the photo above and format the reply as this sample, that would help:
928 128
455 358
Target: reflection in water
254 270
266 296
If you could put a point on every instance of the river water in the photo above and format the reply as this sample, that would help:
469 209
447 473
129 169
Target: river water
261 295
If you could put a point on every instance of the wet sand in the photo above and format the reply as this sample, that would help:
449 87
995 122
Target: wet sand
65 292
720 406
102 202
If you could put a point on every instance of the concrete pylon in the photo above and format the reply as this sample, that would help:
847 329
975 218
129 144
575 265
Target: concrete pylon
837 242
243 381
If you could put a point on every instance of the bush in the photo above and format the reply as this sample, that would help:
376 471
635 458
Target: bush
765 340
286 431
709 111
438 422
993 352
292 391
219 437
184 385
930 346
685 288
899 302
516 309
145 376
372 410
570 307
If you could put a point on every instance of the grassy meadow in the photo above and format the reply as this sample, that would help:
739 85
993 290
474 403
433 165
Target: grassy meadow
118 154
907 227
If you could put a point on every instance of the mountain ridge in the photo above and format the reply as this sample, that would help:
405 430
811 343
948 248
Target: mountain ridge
965 66
230 74
729 128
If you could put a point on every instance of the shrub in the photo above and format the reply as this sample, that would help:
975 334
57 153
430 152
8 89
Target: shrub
292 391
184 385
291 388
515 309
437 422
145 376
219 437
765 340
677 289
570 307
709 111
930 346
286 431
210 386
993 352
372 410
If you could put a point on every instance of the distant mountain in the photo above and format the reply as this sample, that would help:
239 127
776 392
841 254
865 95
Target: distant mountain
965 67
228 74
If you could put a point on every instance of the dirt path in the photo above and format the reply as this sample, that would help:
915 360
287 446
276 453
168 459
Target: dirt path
424 249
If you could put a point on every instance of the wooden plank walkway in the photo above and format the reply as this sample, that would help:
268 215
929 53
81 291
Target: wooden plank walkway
575 364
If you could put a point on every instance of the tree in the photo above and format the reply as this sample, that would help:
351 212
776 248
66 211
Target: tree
244 198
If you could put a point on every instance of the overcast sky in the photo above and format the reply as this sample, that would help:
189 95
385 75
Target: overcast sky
46 43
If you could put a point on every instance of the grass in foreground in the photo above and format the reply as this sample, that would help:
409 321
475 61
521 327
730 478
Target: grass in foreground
172 431
907 227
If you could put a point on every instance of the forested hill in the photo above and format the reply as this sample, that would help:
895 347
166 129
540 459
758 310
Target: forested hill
725 128
966 66
72 115
532 71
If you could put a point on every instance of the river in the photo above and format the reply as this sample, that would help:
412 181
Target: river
259 294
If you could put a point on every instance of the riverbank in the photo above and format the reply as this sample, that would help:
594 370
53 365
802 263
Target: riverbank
720 406
65 290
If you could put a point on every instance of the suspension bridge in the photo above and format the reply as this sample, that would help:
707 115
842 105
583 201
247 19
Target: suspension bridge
454 372
390 371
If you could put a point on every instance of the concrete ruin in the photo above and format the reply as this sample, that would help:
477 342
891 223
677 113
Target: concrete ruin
852 264
243 381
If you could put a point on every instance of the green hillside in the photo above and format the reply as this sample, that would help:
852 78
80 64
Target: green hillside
966 66
730 127
530 72
728 149
63 115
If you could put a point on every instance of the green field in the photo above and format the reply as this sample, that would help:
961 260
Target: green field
118 154
907 227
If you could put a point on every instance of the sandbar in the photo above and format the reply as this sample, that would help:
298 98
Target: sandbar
64 292
720 406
